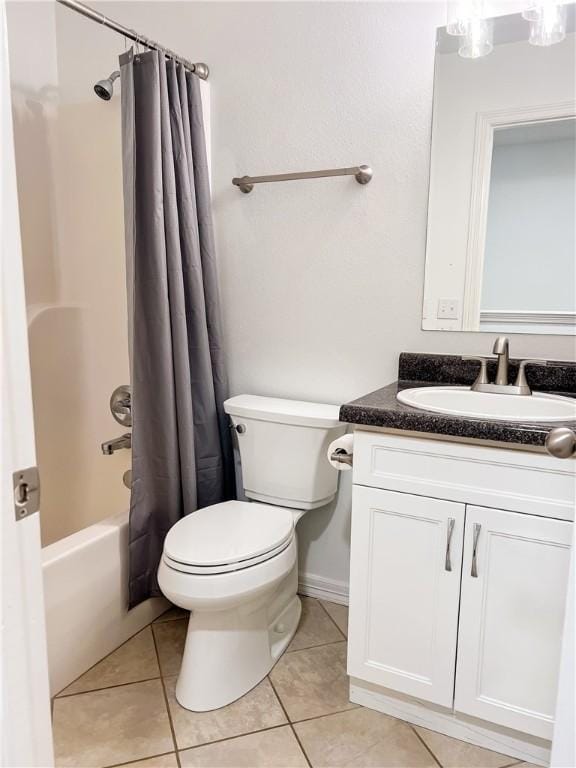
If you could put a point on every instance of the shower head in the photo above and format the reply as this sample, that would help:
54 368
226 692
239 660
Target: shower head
105 88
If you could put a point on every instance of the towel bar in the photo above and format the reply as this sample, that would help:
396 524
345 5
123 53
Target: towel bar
362 173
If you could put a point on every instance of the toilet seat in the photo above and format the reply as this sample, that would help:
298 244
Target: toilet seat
226 537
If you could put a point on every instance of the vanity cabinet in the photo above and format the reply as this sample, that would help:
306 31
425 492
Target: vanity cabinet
514 582
407 559
457 600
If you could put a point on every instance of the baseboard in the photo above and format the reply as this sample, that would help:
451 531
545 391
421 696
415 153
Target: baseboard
493 737
331 590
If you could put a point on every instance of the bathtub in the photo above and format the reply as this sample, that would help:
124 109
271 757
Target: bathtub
86 598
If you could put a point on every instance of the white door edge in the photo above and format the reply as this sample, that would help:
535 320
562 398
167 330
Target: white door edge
26 736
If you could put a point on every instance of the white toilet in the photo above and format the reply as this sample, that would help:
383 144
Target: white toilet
235 565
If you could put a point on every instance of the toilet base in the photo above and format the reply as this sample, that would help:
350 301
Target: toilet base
227 653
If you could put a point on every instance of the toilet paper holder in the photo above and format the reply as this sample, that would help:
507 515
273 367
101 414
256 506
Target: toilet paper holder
341 456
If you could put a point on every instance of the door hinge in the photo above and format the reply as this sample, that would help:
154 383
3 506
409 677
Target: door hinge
26 492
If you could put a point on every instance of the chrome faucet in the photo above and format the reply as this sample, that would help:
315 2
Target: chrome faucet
501 385
110 446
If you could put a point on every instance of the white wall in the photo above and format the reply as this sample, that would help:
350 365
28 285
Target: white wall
68 158
321 280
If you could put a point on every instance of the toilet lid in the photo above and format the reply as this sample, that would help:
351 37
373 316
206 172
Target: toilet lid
228 533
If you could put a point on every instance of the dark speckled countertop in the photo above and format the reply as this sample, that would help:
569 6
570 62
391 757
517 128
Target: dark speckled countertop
382 409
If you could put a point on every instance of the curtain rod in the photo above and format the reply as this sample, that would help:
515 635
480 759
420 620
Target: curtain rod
199 69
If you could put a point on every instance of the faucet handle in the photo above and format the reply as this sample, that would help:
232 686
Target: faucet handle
521 380
482 377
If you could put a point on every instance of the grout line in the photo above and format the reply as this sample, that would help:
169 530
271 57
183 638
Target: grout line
301 745
236 736
59 694
172 731
290 722
415 732
329 714
105 688
160 620
330 617
319 645
282 707
509 765
131 762
164 674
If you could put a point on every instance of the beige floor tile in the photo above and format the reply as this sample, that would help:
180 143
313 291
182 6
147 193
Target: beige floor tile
315 628
313 682
163 761
135 660
526 765
111 726
171 614
170 638
258 709
362 738
339 614
453 753
277 748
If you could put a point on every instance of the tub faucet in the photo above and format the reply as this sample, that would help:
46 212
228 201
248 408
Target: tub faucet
501 349
110 446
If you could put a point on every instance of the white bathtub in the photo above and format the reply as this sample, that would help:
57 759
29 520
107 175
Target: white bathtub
86 597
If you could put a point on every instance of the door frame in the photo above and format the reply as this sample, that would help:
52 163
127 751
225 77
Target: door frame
486 123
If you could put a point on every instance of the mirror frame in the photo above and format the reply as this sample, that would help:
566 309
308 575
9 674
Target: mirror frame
486 124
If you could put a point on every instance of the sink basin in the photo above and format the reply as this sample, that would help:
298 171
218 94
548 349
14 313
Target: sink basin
461 401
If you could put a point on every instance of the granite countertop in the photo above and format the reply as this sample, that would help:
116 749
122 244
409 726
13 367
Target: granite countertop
382 409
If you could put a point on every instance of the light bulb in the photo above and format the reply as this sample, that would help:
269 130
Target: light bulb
477 40
533 12
548 25
460 13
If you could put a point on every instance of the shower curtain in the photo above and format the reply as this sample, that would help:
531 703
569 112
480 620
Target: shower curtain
181 447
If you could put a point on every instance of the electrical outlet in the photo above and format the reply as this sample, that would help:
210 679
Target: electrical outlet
448 309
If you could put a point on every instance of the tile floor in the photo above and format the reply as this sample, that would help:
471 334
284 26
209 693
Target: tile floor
123 712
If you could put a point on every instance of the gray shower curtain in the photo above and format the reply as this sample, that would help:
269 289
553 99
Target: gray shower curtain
181 448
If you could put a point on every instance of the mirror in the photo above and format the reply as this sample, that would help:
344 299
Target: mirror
501 243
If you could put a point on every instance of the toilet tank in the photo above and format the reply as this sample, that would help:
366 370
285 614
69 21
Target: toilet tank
283 446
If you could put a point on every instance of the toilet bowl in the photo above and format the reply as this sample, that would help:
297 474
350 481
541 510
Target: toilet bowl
234 565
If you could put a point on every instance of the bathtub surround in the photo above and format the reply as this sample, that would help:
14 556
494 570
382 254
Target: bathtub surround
68 158
181 448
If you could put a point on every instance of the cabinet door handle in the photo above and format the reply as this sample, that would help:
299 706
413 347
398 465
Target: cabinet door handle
450 530
474 570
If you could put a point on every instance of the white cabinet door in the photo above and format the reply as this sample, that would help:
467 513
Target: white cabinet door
404 591
511 618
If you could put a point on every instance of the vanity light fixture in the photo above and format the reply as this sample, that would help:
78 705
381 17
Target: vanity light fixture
467 20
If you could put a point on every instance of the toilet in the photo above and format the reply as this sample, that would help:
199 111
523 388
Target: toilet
234 565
